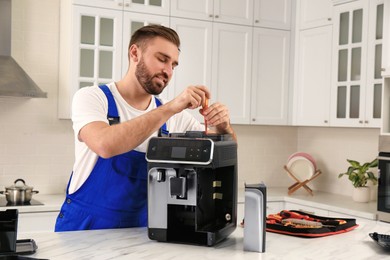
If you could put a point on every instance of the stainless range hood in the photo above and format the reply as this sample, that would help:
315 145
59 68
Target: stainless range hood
14 81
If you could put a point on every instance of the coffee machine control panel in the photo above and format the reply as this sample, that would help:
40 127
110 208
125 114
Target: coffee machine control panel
180 150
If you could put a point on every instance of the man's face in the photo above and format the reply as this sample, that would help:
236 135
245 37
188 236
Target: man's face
155 67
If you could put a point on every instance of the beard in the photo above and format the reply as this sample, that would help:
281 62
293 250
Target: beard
145 78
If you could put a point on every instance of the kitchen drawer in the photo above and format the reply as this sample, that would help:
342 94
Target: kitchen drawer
274 207
37 221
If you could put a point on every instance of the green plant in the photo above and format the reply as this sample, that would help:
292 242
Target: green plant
359 174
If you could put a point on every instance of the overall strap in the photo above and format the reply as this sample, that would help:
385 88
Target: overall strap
112 114
163 131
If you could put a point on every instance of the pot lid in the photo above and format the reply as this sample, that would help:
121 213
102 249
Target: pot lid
19 184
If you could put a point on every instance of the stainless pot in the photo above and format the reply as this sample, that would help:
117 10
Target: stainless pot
17 193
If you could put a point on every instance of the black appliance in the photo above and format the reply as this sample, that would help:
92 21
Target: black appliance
384 179
192 188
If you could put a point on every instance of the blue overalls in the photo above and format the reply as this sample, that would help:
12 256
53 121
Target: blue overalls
115 193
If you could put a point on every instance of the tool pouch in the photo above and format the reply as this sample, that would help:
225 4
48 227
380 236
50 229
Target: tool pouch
307 225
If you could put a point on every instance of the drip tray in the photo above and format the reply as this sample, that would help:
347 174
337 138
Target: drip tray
5 203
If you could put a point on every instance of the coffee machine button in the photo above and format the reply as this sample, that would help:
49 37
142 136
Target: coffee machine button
160 175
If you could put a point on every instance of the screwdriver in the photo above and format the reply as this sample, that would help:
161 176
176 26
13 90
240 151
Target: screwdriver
205 106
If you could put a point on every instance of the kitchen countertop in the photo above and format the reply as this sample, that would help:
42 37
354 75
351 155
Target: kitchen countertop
321 200
133 243
51 202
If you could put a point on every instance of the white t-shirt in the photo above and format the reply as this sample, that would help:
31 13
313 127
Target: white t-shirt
90 104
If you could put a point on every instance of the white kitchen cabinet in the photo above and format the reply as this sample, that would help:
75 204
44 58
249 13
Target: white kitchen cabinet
194 60
374 81
90 50
37 221
160 7
386 40
356 90
112 4
231 11
273 14
274 207
231 69
312 91
314 13
156 7
132 21
270 76
93 44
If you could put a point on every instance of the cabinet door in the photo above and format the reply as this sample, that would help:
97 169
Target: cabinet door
131 22
95 56
195 57
270 76
386 40
234 11
374 65
273 14
113 4
314 13
193 9
158 7
349 56
231 63
312 92
37 222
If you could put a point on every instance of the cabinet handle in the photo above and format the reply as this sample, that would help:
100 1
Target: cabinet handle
329 19
253 119
210 15
366 121
217 16
325 121
257 21
120 4
127 4
360 121
383 69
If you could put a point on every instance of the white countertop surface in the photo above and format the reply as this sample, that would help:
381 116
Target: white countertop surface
322 200
134 244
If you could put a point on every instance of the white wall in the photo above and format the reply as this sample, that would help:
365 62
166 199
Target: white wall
331 147
36 146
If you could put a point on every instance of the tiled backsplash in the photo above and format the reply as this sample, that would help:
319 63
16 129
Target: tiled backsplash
38 147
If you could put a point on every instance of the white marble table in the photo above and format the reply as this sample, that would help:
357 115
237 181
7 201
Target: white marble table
134 244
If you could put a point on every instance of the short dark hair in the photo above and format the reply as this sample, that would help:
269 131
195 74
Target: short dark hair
147 32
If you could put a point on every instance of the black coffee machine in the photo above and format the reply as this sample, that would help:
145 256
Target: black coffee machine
192 188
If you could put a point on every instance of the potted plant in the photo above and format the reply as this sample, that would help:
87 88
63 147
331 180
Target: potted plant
359 175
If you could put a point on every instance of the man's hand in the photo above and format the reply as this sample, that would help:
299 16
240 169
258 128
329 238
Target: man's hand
192 97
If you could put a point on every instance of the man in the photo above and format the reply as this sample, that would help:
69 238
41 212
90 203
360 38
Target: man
112 125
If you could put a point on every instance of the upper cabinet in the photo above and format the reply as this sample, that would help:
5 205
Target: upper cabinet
93 42
273 14
313 63
270 76
90 50
314 13
357 57
245 66
233 11
159 7
386 40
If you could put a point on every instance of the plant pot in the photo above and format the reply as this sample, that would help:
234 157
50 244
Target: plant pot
361 194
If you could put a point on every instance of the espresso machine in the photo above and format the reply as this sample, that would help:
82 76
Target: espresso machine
192 188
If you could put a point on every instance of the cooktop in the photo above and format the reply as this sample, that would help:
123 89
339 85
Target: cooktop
5 203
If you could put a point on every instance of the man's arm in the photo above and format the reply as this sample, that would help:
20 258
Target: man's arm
108 141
